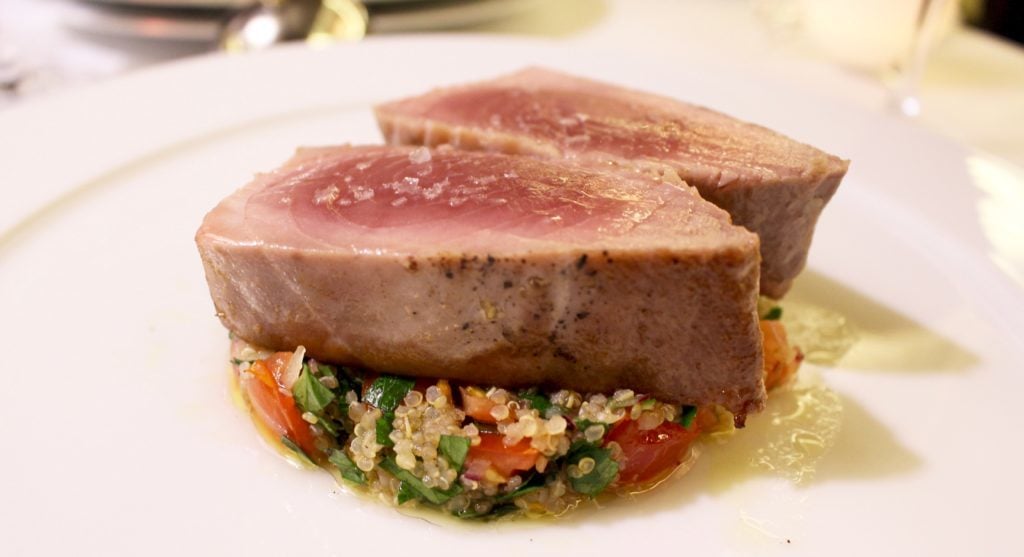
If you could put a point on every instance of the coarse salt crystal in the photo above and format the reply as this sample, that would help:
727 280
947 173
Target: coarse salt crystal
326 195
419 155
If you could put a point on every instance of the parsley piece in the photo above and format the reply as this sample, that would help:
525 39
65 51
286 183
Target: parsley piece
387 392
384 428
416 486
604 472
405 493
687 416
537 401
454 449
310 393
773 314
348 469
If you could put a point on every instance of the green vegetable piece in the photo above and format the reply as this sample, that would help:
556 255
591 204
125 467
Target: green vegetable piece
454 449
348 469
405 493
497 511
328 425
435 496
687 416
538 402
384 430
325 370
309 393
387 391
773 314
295 448
647 403
604 472
533 483
582 425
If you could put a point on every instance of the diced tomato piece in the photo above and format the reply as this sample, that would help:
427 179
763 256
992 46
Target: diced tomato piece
477 405
275 408
780 359
505 460
650 454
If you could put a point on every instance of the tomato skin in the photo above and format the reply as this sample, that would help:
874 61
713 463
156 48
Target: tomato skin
505 460
275 408
650 454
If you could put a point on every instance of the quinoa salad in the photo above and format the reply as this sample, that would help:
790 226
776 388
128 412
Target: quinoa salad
478 452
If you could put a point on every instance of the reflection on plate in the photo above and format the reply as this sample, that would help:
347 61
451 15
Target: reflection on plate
116 407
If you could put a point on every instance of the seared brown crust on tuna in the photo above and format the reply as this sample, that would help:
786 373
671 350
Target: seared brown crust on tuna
581 305
769 183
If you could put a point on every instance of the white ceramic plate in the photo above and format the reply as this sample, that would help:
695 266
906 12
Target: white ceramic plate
120 436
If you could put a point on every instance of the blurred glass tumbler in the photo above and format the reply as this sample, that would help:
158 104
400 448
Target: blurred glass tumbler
870 35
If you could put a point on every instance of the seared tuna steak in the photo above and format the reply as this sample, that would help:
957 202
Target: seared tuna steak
770 184
492 269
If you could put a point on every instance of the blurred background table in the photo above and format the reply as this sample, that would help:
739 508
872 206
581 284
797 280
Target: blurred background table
971 90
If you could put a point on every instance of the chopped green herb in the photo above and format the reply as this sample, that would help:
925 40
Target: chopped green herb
582 425
387 392
405 493
773 314
604 472
431 495
293 447
384 430
328 425
309 393
325 370
236 361
348 469
533 483
687 416
454 449
538 402
349 380
496 511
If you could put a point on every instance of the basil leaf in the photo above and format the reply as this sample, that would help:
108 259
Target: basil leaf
604 472
537 401
454 449
687 416
387 391
293 447
435 496
773 314
384 430
309 393
348 469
